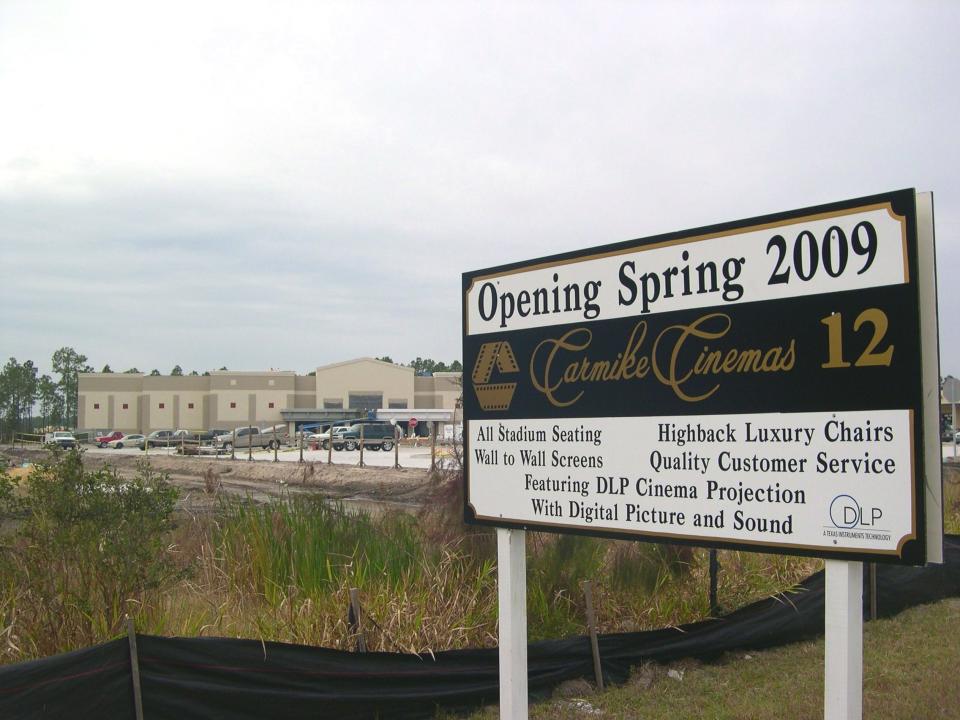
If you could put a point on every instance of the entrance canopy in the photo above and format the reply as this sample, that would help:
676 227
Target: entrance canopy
421 414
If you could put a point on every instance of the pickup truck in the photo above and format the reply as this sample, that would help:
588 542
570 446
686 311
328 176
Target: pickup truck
251 436
323 439
159 438
62 438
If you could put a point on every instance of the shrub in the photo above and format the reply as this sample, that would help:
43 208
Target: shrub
90 546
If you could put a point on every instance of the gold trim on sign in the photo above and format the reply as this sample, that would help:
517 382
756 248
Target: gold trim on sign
888 206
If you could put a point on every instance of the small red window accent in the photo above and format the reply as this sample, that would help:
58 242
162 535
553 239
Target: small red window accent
96 406
189 406
233 405
271 405
125 406
161 406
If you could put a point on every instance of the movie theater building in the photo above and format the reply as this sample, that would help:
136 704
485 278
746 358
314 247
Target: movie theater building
227 399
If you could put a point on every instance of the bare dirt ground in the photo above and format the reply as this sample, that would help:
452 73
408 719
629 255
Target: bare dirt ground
202 479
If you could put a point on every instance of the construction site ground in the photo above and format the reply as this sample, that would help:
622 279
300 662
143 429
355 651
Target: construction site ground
203 480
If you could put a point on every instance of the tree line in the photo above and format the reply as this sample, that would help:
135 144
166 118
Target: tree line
23 391
29 401
426 366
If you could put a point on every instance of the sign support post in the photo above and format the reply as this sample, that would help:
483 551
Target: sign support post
843 641
512 591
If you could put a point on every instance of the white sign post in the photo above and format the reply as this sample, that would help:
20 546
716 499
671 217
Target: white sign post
512 590
843 641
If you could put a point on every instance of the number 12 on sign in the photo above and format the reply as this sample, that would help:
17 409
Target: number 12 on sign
870 356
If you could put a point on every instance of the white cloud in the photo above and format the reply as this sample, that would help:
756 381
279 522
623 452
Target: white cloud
256 159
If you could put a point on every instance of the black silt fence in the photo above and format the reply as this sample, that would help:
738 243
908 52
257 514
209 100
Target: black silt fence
187 678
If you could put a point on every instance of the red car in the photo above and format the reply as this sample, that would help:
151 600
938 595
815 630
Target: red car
104 439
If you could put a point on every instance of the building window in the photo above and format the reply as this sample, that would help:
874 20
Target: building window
271 406
189 406
96 406
161 406
333 404
126 407
397 405
233 405
365 403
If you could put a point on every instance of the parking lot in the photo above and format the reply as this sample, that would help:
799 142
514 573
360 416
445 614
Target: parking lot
412 457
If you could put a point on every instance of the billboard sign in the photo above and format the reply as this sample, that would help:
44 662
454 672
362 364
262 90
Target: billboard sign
755 384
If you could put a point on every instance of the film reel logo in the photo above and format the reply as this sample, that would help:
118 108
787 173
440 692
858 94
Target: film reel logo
494 396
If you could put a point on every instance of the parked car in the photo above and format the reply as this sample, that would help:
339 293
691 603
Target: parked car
102 440
375 436
61 438
947 433
131 440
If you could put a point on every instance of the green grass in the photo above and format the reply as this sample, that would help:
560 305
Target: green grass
283 571
910 673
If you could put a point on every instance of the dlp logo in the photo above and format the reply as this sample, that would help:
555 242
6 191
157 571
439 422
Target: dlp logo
494 396
845 512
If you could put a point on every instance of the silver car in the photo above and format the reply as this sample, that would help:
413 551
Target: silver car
131 440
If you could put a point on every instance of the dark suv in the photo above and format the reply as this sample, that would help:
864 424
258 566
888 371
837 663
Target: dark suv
376 436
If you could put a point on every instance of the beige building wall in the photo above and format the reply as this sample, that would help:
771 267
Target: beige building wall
109 391
96 406
365 376
251 394
191 418
125 418
263 411
101 397
233 408
161 410
441 391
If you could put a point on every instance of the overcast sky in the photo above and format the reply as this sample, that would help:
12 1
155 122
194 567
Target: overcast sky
284 185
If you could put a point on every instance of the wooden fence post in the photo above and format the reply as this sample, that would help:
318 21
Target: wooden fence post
433 446
396 447
135 669
354 618
276 445
233 444
330 445
714 570
592 627
361 445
